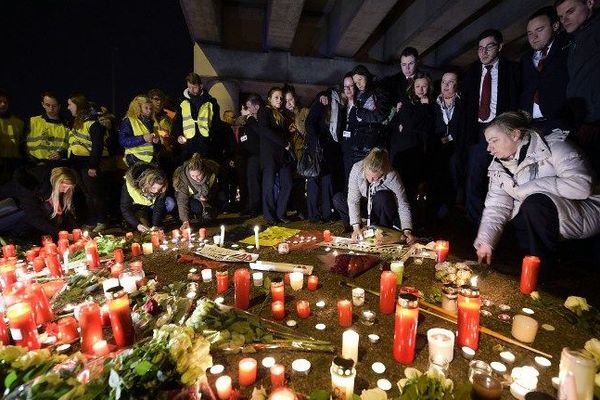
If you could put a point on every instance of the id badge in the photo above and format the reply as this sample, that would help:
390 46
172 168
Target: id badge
347 134
243 138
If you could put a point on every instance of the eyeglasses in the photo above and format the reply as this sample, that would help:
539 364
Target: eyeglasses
487 48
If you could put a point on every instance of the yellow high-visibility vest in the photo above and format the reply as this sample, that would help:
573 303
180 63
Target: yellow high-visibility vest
205 115
11 132
143 152
137 196
46 137
80 142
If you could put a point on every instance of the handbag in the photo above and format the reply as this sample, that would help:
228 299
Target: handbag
309 164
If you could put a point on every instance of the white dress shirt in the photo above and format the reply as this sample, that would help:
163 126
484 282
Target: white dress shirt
494 98
536 112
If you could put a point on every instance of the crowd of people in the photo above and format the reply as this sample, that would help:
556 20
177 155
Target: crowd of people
505 141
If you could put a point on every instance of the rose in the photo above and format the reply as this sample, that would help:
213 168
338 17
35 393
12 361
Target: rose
373 394
577 304
593 346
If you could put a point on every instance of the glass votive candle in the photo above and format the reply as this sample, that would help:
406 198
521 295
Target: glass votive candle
206 275
312 282
358 296
441 343
222 281
296 280
524 328
367 317
486 387
303 308
257 278
438 362
479 367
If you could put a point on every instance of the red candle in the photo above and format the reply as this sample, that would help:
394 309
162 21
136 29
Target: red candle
387 292
120 320
63 235
119 256
327 235
63 246
32 253
53 264
42 252
8 276
38 264
277 310
91 254
90 322
4 338
116 270
155 238
277 376
51 248
222 281
136 249
530 270
241 282
345 312
202 233
469 304
101 348
441 249
312 282
67 330
8 250
278 290
247 371
405 328
76 234
22 325
14 293
43 312
303 308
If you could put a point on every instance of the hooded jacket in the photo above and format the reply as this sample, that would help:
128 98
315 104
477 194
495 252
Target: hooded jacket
186 188
133 199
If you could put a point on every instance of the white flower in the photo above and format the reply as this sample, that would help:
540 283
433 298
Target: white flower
401 383
535 295
373 394
593 346
448 385
411 373
577 304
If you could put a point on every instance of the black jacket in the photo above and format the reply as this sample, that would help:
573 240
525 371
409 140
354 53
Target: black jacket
274 137
508 94
250 138
417 126
370 131
551 82
455 125
129 208
317 132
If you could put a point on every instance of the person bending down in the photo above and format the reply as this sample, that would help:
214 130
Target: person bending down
542 185
374 179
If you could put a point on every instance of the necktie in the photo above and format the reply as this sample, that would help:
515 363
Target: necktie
540 67
486 94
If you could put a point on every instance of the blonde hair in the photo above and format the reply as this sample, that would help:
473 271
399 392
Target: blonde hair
513 121
135 107
276 113
59 176
150 177
377 161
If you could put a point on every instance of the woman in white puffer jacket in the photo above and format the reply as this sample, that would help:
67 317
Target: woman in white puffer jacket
542 185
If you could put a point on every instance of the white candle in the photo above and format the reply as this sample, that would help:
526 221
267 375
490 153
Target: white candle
256 243
441 343
147 248
350 345
296 280
358 296
206 274
257 278
217 239
222 235
223 385
524 328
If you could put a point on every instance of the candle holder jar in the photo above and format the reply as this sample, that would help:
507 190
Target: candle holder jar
486 387
278 289
120 319
405 328
479 367
343 374
469 306
449 298
581 366
439 363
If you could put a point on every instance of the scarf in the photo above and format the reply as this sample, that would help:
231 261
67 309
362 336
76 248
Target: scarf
333 121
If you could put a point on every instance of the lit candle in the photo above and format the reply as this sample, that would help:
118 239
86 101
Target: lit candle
580 366
147 248
342 378
303 308
469 305
136 249
155 238
327 235
277 310
441 249
120 320
101 348
283 393
206 274
63 235
222 281
524 328
296 280
43 312
277 290
222 237
91 255
313 282
223 385
8 276
67 329
344 313
277 376
90 322
247 371
241 282
8 250
76 234
256 241
358 296
387 292
119 256
441 343
116 270
405 328
22 325
397 267
530 270
53 264
350 345
31 254
202 233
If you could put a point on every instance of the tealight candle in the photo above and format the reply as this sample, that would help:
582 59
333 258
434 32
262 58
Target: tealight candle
268 362
247 371
373 338
320 304
320 327
344 313
147 248
301 366
378 367
217 369
101 348
507 357
367 317
223 386
296 280
542 361
303 308
312 282
350 341
206 275
257 278
278 310
277 375
358 296
524 328
467 352
441 343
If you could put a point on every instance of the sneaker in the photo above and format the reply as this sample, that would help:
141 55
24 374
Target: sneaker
99 227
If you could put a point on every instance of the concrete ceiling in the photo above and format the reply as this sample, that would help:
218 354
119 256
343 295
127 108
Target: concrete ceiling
444 31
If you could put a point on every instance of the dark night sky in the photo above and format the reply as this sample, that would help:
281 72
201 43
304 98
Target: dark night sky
71 46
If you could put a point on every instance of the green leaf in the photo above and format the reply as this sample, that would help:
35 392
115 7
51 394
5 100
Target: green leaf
143 367
319 395
10 379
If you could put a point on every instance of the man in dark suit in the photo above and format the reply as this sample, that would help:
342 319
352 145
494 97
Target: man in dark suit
397 84
491 88
544 72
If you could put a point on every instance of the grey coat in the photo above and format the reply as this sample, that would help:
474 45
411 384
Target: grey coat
553 167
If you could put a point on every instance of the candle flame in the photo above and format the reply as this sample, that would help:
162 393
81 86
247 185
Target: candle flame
474 281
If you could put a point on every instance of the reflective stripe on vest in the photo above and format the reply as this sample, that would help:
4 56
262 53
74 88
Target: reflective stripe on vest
45 138
80 142
137 196
11 132
143 152
205 115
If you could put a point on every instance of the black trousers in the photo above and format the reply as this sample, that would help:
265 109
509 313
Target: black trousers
253 177
319 197
92 189
276 209
537 231
383 210
477 180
